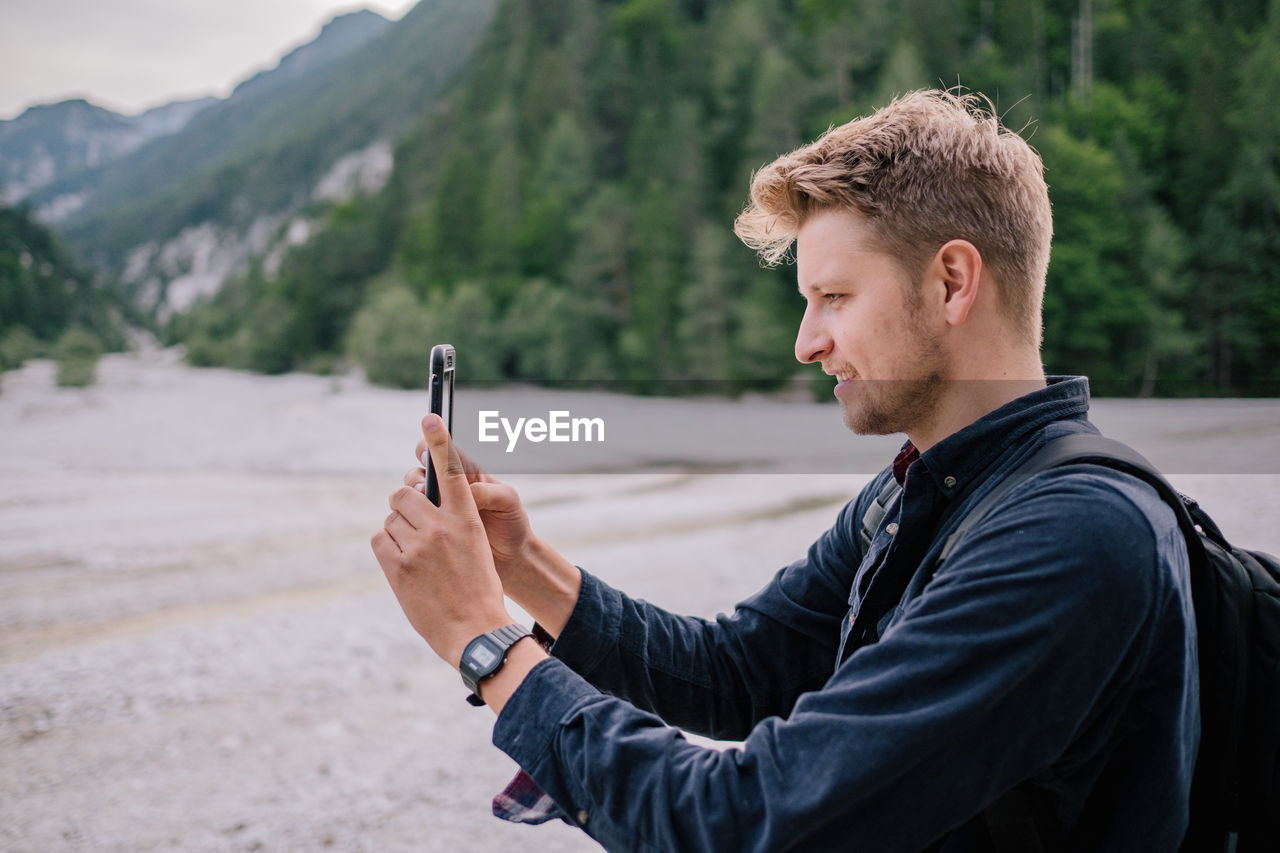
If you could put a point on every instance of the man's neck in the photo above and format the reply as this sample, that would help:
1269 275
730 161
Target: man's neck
964 401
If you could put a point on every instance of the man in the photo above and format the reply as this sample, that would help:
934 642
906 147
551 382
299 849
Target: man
1053 653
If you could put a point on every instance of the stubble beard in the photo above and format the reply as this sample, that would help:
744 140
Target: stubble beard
889 406
894 405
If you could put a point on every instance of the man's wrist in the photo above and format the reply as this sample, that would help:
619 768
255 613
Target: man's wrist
502 685
530 561
546 585
486 655
465 633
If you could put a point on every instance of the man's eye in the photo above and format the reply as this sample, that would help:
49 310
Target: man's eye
833 297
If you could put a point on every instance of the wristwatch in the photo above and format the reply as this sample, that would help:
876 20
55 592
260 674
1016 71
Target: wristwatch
485 655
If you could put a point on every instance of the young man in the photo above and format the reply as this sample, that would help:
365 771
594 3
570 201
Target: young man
1052 653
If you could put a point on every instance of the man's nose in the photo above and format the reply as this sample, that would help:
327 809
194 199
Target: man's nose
812 340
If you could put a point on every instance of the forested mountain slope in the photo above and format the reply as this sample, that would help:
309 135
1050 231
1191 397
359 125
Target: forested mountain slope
566 214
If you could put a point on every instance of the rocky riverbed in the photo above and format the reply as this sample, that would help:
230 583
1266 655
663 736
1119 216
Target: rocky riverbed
199 652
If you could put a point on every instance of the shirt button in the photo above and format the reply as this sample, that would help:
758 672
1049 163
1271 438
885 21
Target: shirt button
949 482
582 817
891 528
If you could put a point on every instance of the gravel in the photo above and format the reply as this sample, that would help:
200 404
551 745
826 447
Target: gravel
198 650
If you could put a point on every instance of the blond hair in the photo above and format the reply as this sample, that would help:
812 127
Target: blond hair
930 167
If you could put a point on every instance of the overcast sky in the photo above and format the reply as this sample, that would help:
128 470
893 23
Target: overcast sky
128 55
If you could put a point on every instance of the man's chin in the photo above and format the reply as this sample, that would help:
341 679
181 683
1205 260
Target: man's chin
890 406
863 420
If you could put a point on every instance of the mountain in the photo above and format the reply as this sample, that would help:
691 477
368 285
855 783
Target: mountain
243 117
337 38
50 141
171 117
178 215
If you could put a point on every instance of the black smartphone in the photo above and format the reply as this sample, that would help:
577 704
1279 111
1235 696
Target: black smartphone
442 359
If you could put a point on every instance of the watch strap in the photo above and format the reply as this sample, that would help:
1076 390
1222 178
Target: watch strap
508 634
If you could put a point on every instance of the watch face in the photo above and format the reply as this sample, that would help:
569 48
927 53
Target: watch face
482 657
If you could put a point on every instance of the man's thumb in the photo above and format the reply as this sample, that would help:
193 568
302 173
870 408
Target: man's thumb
492 496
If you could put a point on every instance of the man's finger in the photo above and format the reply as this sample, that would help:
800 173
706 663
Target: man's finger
384 548
399 529
475 474
450 474
412 504
415 477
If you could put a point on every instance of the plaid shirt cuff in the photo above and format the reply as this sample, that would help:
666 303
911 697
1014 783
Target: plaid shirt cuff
523 801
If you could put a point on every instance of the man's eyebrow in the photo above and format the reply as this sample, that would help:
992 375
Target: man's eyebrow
821 285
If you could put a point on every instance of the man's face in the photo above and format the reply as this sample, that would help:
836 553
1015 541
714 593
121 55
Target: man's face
861 326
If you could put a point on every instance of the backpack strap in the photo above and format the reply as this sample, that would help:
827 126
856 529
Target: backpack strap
1083 447
1013 821
1194 524
876 512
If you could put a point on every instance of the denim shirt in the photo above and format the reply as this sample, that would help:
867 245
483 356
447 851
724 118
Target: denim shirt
1056 644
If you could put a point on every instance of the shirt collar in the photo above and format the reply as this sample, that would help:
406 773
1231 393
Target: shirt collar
902 462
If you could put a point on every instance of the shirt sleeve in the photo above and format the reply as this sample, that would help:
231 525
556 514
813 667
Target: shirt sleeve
720 677
1029 636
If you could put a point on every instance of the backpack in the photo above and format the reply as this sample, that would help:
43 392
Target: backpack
1235 791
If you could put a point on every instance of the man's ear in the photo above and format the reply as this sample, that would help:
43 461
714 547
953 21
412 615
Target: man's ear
958 265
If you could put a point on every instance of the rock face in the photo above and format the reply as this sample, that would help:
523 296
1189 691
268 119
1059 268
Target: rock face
168 277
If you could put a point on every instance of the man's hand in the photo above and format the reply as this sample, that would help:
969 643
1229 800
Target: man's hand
505 522
438 560
533 574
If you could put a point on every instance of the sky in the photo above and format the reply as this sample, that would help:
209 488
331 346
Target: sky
129 55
